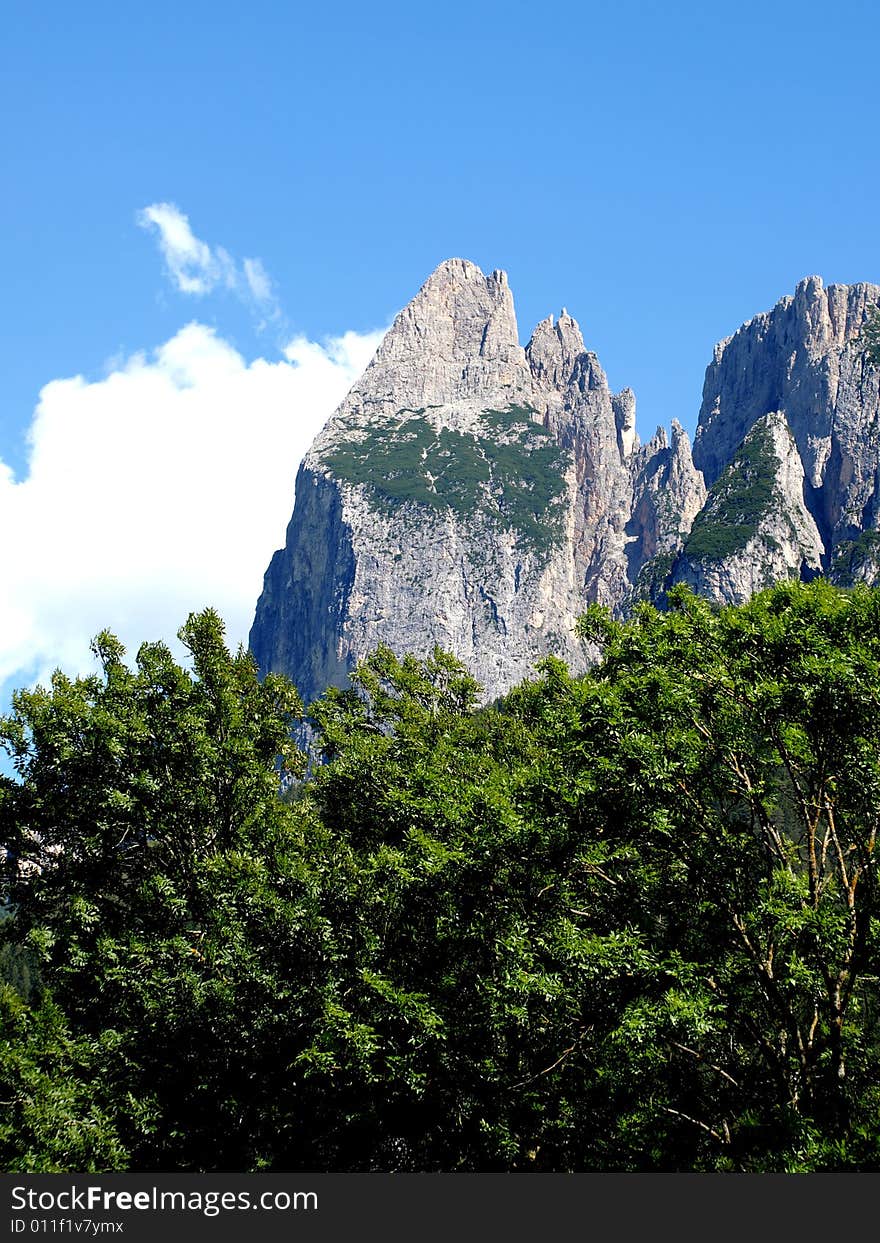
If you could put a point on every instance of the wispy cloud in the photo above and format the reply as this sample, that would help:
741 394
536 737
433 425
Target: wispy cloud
160 489
196 268
259 281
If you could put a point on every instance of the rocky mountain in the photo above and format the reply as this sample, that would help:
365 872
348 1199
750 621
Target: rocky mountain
754 528
476 495
788 441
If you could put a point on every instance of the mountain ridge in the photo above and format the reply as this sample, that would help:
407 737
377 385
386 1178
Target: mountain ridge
475 494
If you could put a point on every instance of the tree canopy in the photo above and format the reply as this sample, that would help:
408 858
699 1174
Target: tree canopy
625 921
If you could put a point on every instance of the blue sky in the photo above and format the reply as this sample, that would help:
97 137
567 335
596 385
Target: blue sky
663 170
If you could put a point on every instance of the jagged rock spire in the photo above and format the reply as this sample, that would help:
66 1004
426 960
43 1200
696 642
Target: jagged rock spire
456 339
476 495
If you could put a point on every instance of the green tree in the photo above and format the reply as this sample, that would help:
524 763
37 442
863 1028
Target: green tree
621 921
56 1113
453 986
741 764
147 867
483 960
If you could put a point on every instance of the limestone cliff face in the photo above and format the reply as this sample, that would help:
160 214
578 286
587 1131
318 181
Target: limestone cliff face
806 359
476 495
667 494
467 493
597 429
754 529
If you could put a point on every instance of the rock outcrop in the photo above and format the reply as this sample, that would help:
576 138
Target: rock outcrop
476 495
667 494
805 358
467 493
754 529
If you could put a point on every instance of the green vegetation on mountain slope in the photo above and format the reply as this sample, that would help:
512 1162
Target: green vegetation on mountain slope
737 502
514 474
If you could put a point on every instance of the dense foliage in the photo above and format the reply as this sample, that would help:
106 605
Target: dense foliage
738 500
626 921
513 475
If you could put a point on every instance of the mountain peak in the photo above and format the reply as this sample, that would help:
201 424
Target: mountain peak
457 340
454 270
475 495
802 357
809 287
554 349
460 278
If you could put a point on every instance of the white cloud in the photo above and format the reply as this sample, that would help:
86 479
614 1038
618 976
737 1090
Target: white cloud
160 489
197 268
192 265
258 280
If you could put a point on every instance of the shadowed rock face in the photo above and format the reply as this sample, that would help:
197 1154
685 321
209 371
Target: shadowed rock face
475 495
